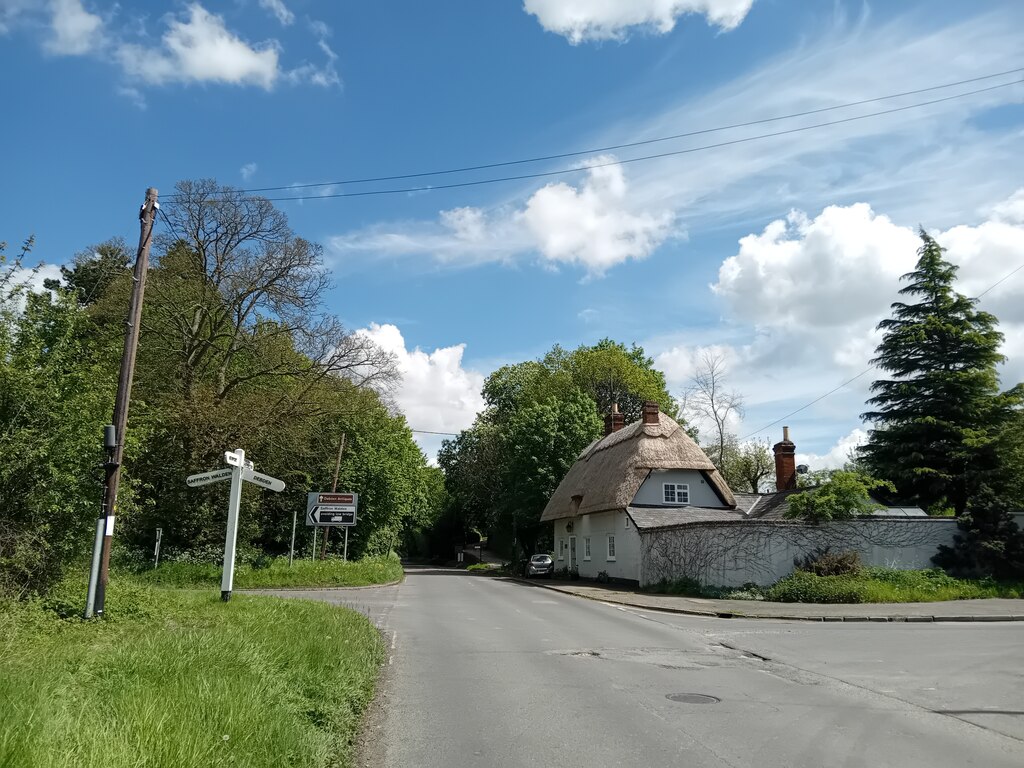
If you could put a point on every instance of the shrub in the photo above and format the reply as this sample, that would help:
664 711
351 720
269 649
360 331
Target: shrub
990 543
845 495
805 587
823 562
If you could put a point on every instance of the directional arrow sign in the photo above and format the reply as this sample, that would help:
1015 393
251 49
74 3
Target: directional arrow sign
330 514
264 481
205 478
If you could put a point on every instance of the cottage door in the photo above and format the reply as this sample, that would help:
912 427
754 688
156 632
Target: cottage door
572 553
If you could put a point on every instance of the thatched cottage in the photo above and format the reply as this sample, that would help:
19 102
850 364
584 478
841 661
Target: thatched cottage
644 502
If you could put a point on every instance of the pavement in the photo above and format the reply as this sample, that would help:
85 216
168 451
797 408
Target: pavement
950 610
494 672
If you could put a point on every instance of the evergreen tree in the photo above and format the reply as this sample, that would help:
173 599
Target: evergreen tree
937 418
990 543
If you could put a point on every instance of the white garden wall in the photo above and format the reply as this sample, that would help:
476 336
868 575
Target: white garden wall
762 552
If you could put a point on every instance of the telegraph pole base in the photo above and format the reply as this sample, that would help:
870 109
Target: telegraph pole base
225 595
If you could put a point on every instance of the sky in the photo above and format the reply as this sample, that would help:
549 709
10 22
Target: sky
780 253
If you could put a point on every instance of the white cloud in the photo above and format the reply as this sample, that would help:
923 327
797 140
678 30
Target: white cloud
582 20
437 393
801 300
838 455
325 75
593 225
202 49
279 10
248 171
75 31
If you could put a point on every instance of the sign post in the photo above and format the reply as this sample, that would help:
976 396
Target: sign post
241 470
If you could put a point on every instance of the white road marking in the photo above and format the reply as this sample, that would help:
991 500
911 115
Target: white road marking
394 639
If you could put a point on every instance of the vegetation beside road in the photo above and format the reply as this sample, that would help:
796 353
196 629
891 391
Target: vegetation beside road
332 572
866 585
180 678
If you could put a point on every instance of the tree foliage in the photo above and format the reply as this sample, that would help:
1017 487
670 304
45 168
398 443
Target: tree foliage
845 495
936 420
747 467
989 543
237 350
539 415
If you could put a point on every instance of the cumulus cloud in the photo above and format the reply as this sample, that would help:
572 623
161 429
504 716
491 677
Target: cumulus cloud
248 171
593 225
74 31
801 300
279 10
582 20
200 48
838 455
437 393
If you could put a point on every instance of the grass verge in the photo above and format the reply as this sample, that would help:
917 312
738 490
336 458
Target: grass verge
868 585
303 573
181 679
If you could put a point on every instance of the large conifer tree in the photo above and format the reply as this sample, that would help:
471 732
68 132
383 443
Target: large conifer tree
936 419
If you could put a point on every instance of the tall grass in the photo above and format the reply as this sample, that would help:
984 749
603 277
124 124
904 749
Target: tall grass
182 679
303 573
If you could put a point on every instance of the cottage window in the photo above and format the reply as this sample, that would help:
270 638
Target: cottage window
611 547
561 549
586 547
677 493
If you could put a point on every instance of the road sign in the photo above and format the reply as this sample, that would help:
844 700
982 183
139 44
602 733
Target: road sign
331 515
264 481
232 458
326 509
205 478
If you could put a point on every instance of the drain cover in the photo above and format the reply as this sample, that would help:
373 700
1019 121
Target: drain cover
693 698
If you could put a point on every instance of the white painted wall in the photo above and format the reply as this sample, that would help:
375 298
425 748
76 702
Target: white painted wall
597 528
701 494
762 552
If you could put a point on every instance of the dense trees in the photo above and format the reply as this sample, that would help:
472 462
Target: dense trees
936 421
237 350
539 415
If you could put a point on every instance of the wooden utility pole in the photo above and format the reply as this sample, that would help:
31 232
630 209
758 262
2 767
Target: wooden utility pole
147 219
334 488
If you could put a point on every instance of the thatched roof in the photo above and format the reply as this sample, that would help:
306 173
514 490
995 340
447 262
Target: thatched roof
610 471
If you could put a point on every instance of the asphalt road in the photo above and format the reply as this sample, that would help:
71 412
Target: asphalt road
494 673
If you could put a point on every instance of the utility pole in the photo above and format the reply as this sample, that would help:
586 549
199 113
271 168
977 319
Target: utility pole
334 489
147 220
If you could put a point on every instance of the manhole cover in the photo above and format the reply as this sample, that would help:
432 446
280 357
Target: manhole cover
693 698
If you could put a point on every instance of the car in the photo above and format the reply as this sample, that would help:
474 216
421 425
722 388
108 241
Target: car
539 565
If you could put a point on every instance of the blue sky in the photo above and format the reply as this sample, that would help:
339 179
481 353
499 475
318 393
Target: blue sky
779 254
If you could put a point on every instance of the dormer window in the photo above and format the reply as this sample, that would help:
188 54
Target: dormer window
676 493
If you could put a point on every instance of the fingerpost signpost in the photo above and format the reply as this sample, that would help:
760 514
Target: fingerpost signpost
240 470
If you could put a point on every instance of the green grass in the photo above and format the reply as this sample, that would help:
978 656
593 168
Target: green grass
868 585
303 573
178 678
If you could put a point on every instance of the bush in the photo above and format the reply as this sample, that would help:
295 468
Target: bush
822 562
479 567
990 543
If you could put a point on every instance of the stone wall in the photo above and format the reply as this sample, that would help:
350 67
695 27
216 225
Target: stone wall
762 552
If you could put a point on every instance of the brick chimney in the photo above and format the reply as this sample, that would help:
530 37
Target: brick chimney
651 411
614 421
785 462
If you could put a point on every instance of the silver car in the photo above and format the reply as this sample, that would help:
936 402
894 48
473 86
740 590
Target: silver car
539 565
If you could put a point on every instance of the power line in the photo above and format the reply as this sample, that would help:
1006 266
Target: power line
998 282
428 432
628 145
593 166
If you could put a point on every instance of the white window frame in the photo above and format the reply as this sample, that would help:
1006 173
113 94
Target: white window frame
677 490
586 547
561 548
611 547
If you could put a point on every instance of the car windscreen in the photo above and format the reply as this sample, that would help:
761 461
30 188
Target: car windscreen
541 559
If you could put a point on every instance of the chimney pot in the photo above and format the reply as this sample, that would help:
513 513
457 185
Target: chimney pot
651 411
785 463
614 421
